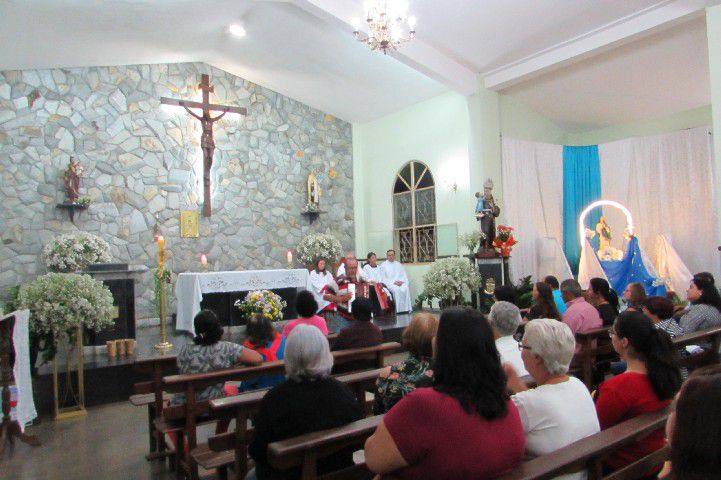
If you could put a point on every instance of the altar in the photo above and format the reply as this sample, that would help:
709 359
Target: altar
218 290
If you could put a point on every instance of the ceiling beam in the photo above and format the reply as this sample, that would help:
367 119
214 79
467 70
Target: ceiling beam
663 14
416 54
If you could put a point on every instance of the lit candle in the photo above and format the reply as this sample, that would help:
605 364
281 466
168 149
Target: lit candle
161 251
203 261
289 257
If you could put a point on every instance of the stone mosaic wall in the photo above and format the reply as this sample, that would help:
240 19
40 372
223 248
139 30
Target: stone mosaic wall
143 161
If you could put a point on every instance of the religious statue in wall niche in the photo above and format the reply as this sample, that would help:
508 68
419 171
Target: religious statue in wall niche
604 234
313 194
72 180
486 213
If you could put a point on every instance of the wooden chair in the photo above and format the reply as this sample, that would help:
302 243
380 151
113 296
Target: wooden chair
150 394
594 344
590 452
241 407
304 451
182 420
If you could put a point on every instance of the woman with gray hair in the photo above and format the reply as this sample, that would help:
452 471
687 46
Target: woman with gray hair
560 410
309 401
505 318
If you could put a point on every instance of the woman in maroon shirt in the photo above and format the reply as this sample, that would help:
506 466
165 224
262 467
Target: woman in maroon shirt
465 426
648 385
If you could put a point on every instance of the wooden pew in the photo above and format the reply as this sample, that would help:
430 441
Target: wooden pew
589 453
710 339
182 420
232 447
306 450
150 394
594 343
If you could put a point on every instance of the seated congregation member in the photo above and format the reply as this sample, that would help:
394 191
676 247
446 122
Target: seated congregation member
208 353
310 400
648 385
395 278
398 380
361 332
705 309
270 344
544 306
553 283
660 311
693 429
306 306
601 296
505 293
634 295
466 426
505 318
560 410
580 315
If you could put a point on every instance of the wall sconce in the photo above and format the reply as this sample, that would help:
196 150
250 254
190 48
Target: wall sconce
454 186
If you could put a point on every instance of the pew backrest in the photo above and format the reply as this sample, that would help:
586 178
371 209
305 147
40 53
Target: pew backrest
710 338
589 452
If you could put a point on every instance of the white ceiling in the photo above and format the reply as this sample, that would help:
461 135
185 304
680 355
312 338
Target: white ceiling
581 63
655 76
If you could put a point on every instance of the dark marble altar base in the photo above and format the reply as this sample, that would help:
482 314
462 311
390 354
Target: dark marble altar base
111 380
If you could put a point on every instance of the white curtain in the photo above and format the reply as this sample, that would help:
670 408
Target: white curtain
533 206
666 181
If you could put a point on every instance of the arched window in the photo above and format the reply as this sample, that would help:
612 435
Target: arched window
414 213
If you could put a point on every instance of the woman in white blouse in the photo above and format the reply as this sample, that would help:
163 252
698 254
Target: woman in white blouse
560 410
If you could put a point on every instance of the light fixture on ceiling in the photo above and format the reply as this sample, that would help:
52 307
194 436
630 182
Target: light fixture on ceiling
236 30
389 25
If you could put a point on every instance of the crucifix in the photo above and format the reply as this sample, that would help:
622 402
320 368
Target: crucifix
206 121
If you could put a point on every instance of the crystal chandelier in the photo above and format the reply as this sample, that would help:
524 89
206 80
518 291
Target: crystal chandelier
389 25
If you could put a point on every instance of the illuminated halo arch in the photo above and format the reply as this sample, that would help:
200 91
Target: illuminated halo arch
600 203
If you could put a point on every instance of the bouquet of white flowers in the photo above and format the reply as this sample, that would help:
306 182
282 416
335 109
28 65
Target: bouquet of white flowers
60 302
73 252
470 240
448 278
319 245
265 302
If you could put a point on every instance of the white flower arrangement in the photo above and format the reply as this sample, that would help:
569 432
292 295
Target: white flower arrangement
265 302
470 240
73 252
60 302
448 278
319 245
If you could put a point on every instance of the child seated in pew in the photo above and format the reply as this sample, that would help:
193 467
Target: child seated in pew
264 339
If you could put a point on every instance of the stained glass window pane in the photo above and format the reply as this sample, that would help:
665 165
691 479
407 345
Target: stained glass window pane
402 211
426 180
406 174
425 207
400 186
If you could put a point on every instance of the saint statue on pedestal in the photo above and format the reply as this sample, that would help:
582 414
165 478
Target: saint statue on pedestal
72 180
604 234
486 213
313 192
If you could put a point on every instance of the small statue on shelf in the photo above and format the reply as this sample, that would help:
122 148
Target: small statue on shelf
72 180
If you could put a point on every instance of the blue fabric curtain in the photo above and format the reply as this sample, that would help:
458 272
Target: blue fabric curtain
581 186
631 269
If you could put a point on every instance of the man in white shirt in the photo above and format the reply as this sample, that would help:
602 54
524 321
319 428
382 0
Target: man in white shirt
395 278
505 318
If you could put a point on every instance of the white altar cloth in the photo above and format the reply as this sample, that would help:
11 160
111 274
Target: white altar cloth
190 287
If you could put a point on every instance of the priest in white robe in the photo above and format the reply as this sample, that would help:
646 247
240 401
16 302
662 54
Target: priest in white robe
395 278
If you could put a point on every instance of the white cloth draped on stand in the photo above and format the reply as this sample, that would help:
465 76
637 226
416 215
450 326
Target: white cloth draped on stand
393 272
666 181
589 266
670 267
25 410
533 206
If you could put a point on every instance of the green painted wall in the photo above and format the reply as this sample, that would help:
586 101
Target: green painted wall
521 122
435 132
696 117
